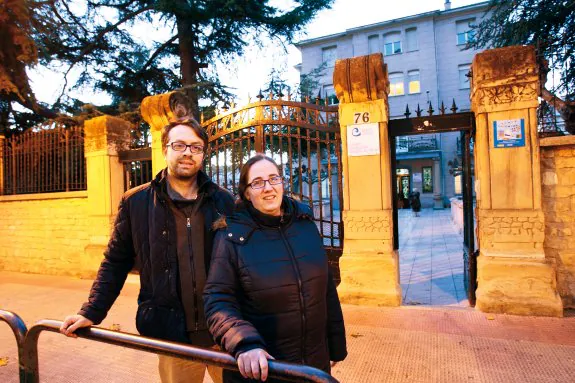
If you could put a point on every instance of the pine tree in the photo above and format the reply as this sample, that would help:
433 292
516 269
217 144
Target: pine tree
547 24
99 37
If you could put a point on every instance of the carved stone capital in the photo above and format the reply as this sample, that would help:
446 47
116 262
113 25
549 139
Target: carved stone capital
161 109
361 79
505 78
106 133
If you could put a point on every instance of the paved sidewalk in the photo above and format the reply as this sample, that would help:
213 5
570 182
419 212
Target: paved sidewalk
431 259
405 344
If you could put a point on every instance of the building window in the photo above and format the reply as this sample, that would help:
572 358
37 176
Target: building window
464 31
396 84
392 43
427 180
463 79
411 39
330 96
329 55
373 44
413 81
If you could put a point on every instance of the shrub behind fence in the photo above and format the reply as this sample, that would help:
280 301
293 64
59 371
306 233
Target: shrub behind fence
44 161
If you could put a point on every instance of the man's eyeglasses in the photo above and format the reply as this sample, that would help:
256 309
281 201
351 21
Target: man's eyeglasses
259 184
181 147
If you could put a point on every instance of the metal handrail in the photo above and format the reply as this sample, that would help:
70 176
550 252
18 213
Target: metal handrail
19 329
279 370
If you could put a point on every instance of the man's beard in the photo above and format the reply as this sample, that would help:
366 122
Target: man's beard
185 174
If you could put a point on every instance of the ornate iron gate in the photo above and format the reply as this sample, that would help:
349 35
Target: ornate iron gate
465 123
303 138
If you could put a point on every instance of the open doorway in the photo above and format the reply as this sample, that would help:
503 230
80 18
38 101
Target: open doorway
433 209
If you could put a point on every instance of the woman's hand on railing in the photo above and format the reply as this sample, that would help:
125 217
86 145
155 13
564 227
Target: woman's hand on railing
254 364
74 322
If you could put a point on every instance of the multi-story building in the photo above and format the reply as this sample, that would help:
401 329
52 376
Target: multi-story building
428 63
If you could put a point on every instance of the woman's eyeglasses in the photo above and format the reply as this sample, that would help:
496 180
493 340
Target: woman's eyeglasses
258 184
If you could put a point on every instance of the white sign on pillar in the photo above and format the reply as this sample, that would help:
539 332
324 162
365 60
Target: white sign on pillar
363 140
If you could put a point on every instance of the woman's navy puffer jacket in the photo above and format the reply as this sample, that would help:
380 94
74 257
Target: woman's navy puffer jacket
270 287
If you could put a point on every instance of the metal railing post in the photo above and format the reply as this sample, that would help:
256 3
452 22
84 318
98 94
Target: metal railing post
280 370
19 329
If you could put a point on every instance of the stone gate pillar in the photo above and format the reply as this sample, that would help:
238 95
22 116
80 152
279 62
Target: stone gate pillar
369 265
158 111
514 276
437 183
104 136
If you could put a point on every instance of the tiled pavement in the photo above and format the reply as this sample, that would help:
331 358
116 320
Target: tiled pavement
404 344
430 259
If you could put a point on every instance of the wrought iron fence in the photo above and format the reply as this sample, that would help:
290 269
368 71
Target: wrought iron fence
557 91
137 167
44 161
549 121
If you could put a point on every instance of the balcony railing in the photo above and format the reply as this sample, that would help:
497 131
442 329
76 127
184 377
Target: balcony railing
415 144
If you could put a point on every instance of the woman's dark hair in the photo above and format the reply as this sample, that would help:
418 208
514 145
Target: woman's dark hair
190 123
243 184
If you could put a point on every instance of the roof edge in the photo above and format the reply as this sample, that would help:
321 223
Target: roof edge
348 31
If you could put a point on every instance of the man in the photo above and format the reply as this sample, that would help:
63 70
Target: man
166 225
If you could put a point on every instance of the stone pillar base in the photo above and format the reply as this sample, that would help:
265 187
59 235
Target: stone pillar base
517 286
437 202
370 279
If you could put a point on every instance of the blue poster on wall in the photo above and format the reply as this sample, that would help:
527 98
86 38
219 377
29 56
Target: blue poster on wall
509 133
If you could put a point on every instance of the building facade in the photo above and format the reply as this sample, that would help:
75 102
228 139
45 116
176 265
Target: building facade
428 64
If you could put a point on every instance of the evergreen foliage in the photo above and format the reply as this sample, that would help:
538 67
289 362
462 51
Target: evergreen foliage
547 24
99 38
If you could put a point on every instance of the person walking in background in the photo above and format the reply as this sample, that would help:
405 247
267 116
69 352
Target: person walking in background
270 293
415 202
166 226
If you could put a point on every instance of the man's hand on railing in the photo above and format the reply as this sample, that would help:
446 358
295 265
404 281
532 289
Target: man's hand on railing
254 364
74 322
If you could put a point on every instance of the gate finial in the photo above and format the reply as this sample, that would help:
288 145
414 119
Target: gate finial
430 109
407 112
454 107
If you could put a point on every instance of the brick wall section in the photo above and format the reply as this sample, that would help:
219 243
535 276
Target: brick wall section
45 236
558 175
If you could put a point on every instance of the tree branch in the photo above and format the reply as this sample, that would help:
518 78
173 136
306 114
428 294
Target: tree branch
158 51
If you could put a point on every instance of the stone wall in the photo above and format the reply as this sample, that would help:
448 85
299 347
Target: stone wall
45 233
558 174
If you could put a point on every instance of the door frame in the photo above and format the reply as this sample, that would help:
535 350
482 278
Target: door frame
463 122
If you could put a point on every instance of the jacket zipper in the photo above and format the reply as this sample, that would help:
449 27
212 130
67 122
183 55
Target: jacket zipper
301 300
189 226
167 270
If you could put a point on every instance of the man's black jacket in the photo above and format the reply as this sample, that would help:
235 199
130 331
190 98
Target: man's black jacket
270 287
144 231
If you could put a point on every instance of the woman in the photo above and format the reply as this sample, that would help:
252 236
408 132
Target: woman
270 293
415 202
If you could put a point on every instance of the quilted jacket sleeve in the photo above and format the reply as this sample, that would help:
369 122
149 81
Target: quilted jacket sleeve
223 312
335 326
118 261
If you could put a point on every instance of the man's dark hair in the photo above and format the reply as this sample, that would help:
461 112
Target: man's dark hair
243 183
190 123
